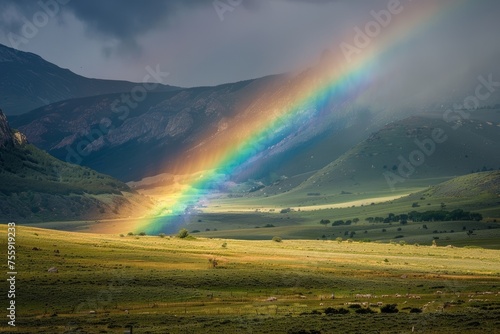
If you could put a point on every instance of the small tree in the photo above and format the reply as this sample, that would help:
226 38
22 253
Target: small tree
130 233
277 239
339 240
324 221
183 233
142 234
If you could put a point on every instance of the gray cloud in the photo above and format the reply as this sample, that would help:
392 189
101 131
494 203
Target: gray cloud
122 20
256 38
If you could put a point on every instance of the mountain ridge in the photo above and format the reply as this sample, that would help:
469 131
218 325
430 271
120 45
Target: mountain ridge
29 82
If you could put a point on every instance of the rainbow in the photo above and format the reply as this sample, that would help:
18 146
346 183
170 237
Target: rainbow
224 157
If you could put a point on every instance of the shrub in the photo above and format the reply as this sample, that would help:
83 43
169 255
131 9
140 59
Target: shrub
339 240
365 311
389 308
183 233
277 239
402 242
415 310
161 235
122 235
142 233
331 310
354 306
130 233
224 245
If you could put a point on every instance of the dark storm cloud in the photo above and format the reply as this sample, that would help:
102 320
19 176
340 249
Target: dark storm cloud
122 20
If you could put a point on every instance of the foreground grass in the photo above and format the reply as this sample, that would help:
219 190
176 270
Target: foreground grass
168 285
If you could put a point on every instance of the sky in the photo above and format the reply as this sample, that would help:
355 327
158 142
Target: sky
205 42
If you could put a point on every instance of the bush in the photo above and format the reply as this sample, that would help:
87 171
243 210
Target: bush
183 233
130 233
277 239
161 235
415 310
339 239
331 310
142 233
365 311
389 308
224 245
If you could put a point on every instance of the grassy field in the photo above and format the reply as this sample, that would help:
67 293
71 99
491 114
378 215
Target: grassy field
169 285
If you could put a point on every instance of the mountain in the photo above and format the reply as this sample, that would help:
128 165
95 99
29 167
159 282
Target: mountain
35 186
27 82
168 132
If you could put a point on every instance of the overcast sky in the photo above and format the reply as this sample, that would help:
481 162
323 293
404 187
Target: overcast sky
242 39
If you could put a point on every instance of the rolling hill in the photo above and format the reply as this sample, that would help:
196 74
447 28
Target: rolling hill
34 186
27 82
404 151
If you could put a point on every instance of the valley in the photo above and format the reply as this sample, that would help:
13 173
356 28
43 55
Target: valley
106 283
279 167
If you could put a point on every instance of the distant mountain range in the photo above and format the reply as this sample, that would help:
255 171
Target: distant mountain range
351 147
27 82
35 186
171 128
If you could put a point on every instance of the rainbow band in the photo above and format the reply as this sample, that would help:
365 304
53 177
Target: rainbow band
218 164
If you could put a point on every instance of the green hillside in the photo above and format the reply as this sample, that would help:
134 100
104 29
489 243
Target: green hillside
36 186
381 154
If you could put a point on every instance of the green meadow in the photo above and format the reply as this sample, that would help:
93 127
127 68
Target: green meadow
106 283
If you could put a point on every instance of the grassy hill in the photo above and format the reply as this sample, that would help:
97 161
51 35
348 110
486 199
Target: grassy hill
35 186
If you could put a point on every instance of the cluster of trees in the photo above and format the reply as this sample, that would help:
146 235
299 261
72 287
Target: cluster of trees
441 215
338 222
433 215
391 218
